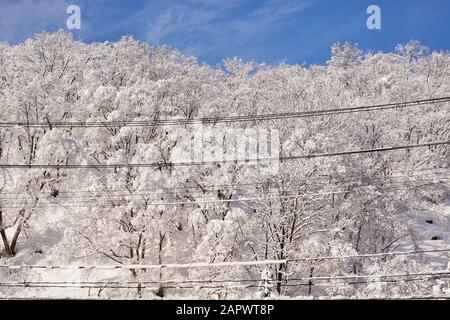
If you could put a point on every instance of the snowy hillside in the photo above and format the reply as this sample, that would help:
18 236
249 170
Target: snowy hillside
131 171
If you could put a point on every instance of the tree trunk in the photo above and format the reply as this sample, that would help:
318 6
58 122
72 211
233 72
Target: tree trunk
8 250
160 291
16 236
310 282
21 221
281 268
358 239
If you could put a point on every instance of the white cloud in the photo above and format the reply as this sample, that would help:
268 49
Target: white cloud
185 17
196 27
21 19
218 23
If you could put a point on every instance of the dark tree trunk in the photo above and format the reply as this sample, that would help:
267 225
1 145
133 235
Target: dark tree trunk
8 250
15 237
310 283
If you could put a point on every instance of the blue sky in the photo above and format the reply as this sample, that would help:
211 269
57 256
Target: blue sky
270 31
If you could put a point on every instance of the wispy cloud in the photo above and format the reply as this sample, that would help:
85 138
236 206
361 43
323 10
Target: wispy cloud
21 19
201 26
267 16
280 8
186 17
213 28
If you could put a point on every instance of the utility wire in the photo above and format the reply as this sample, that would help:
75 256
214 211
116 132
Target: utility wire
249 190
95 203
236 162
324 179
214 120
224 264
155 285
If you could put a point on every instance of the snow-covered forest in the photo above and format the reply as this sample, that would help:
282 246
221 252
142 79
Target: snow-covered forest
88 175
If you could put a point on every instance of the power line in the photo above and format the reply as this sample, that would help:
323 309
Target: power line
188 281
159 266
154 285
190 202
244 118
194 202
236 162
168 193
238 186
371 255
358 276
221 264
108 199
